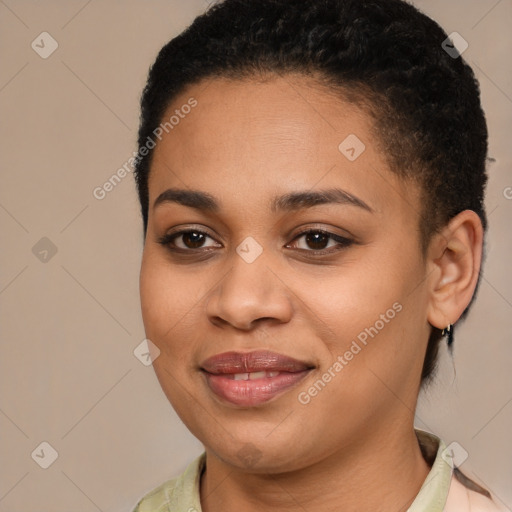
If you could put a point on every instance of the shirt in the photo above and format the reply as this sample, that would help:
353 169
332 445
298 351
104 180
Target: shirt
441 491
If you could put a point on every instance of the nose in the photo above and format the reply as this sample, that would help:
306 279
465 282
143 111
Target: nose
249 294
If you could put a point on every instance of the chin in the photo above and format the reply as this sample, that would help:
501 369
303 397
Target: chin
260 454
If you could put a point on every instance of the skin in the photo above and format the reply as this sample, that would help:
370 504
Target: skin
353 443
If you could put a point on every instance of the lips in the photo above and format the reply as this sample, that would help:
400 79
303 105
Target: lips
252 378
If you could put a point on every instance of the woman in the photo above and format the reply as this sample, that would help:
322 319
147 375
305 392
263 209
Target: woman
311 178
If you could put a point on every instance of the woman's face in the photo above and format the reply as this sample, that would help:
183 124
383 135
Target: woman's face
279 349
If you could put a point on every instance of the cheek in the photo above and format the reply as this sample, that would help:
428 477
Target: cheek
163 298
164 311
152 296
350 297
370 313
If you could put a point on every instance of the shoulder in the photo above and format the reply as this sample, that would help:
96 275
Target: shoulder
180 493
158 499
463 498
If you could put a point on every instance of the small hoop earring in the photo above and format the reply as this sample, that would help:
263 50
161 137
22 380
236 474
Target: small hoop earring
448 331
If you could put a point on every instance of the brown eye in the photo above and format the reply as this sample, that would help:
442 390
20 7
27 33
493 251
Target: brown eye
187 240
193 239
317 242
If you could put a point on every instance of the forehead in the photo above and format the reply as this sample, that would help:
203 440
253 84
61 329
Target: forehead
248 139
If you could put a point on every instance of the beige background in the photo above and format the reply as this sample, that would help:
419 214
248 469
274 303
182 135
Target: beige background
69 325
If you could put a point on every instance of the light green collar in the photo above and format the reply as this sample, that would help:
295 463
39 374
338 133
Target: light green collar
434 491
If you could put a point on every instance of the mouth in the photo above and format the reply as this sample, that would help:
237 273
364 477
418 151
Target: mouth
252 378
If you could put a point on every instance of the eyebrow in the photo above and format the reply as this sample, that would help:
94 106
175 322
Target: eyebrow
288 202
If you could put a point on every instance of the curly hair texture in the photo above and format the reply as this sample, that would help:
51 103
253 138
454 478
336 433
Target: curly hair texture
383 55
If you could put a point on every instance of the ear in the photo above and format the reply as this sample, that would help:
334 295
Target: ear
454 259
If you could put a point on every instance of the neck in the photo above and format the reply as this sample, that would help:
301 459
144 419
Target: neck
384 472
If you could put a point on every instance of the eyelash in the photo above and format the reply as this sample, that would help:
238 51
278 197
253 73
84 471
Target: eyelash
168 239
